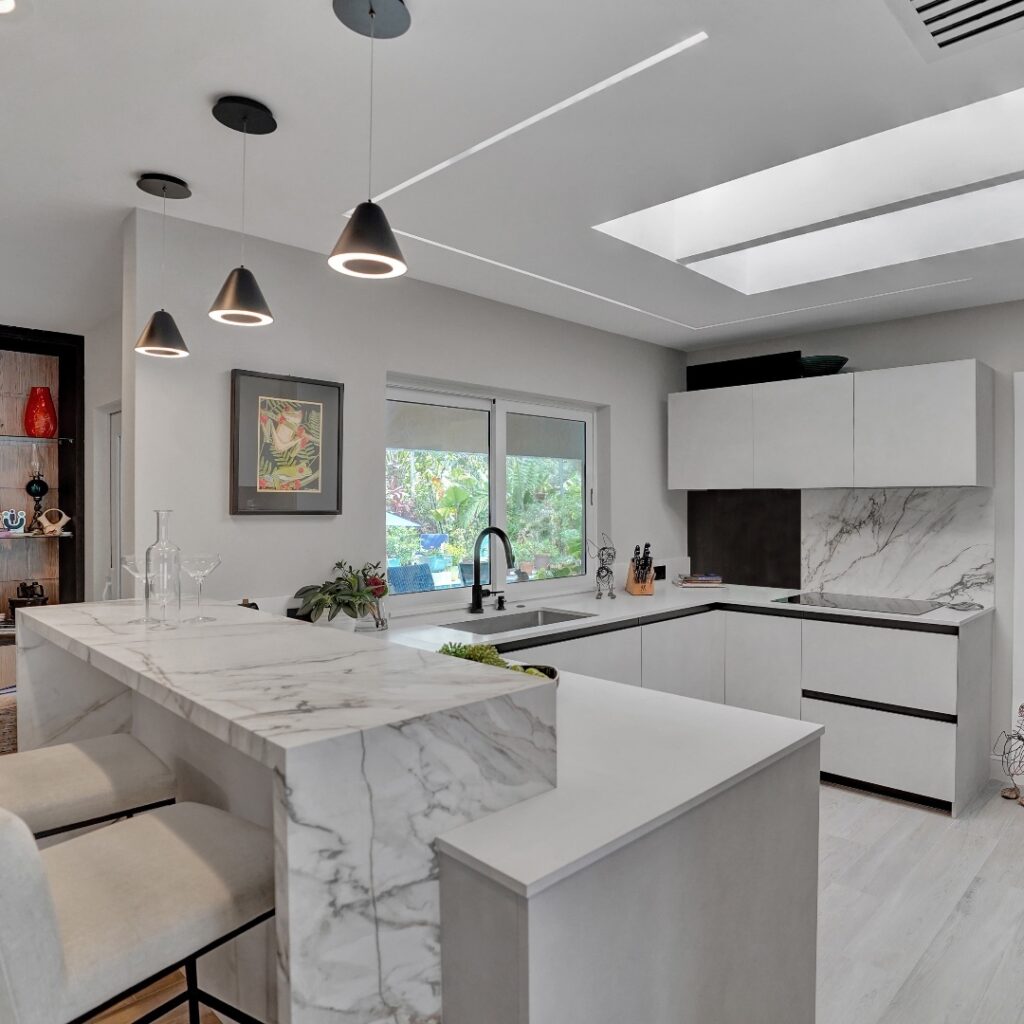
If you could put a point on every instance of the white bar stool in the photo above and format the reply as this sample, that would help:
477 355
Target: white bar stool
72 785
88 922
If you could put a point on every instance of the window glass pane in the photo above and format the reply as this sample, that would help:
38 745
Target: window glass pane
544 483
437 490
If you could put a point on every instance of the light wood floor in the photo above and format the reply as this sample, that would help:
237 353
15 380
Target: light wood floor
131 1009
921 918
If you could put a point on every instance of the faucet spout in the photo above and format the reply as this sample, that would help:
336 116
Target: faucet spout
476 604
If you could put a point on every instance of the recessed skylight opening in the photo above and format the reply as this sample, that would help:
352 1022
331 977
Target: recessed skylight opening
987 216
972 144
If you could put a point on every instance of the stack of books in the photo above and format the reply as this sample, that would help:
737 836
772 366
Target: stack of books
699 580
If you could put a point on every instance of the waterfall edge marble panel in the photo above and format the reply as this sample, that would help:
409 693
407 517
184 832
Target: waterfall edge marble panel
359 929
933 543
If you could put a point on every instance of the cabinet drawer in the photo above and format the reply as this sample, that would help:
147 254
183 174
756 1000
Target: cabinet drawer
614 656
916 755
889 666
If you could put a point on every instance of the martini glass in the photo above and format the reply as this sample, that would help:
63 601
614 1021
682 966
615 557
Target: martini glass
135 566
198 567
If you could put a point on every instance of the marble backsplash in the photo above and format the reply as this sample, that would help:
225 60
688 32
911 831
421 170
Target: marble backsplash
931 543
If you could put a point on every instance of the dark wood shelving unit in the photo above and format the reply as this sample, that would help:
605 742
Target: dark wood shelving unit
58 361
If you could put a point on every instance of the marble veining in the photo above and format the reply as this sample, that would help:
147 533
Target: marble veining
930 543
374 750
360 815
264 683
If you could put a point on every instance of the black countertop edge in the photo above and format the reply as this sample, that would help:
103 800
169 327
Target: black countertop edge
6 637
794 612
575 633
785 612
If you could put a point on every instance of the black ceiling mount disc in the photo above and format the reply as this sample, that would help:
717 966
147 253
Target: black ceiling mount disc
243 114
391 18
155 185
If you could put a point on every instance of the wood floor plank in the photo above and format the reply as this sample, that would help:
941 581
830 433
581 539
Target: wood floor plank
926 926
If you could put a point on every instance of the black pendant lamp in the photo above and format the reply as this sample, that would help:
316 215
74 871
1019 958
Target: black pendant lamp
367 246
161 337
240 301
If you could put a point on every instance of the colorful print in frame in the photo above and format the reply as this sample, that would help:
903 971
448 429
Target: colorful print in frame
286 445
289 451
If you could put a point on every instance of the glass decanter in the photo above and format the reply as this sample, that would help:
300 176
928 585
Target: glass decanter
163 577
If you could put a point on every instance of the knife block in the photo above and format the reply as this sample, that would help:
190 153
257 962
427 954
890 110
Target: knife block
635 588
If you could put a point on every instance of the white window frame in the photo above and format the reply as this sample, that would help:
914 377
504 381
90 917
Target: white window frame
498 409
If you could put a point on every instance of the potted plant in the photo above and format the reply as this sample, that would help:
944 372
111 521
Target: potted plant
359 593
487 654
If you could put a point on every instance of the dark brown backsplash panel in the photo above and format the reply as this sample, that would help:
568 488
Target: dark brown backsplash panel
751 537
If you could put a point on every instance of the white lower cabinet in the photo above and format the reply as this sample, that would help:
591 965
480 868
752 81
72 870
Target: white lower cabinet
762 663
614 656
874 663
686 656
914 755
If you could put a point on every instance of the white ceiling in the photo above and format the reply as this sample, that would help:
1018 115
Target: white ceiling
93 93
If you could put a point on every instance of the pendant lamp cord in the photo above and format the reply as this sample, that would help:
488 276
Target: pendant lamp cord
369 159
163 241
245 139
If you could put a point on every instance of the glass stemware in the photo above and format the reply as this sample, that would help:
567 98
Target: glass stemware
198 567
135 566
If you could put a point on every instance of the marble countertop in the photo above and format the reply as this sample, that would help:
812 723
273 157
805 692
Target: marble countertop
264 683
629 760
428 632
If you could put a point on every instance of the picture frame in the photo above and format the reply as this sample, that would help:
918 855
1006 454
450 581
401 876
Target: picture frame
286 445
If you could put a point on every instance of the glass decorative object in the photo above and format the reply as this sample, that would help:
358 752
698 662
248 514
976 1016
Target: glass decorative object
40 414
163 577
198 567
135 566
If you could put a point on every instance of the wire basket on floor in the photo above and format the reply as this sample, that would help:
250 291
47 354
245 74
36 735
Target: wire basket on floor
8 724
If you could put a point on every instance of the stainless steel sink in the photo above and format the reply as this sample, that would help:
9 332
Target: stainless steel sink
506 622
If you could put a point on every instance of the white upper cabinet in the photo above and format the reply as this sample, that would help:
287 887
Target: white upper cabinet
924 426
913 426
803 432
711 439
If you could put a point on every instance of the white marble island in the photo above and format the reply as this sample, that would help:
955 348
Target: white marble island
357 753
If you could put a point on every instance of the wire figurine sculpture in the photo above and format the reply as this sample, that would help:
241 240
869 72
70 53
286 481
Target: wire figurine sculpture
605 555
1010 748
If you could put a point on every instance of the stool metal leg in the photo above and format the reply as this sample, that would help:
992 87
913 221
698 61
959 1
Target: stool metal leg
192 987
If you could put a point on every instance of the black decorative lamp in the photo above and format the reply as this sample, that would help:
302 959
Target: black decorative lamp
37 489
240 301
367 246
161 337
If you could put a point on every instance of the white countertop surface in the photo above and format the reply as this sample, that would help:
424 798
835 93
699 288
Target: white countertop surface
427 630
629 760
265 683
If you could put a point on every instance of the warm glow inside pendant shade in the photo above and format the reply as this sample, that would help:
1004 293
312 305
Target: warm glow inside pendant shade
367 246
161 337
240 302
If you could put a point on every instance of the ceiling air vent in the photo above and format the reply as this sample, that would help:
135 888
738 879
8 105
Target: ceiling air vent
940 27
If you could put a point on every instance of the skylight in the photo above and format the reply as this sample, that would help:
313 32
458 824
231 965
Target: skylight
969 221
962 147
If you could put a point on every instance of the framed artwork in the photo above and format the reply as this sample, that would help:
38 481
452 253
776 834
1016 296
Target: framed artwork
286 445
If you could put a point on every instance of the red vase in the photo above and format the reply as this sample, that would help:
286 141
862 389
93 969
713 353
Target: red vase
40 415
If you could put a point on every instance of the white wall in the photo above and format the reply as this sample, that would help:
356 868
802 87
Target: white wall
102 392
357 332
993 334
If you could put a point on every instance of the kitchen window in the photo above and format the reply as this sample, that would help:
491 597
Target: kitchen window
457 464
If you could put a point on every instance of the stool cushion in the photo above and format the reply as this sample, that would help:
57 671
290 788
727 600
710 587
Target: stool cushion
31 960
51 787
140 895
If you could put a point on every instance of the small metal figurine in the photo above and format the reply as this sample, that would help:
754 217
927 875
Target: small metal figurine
1010 748
605 555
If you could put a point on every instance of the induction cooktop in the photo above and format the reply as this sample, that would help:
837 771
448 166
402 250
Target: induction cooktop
856 602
